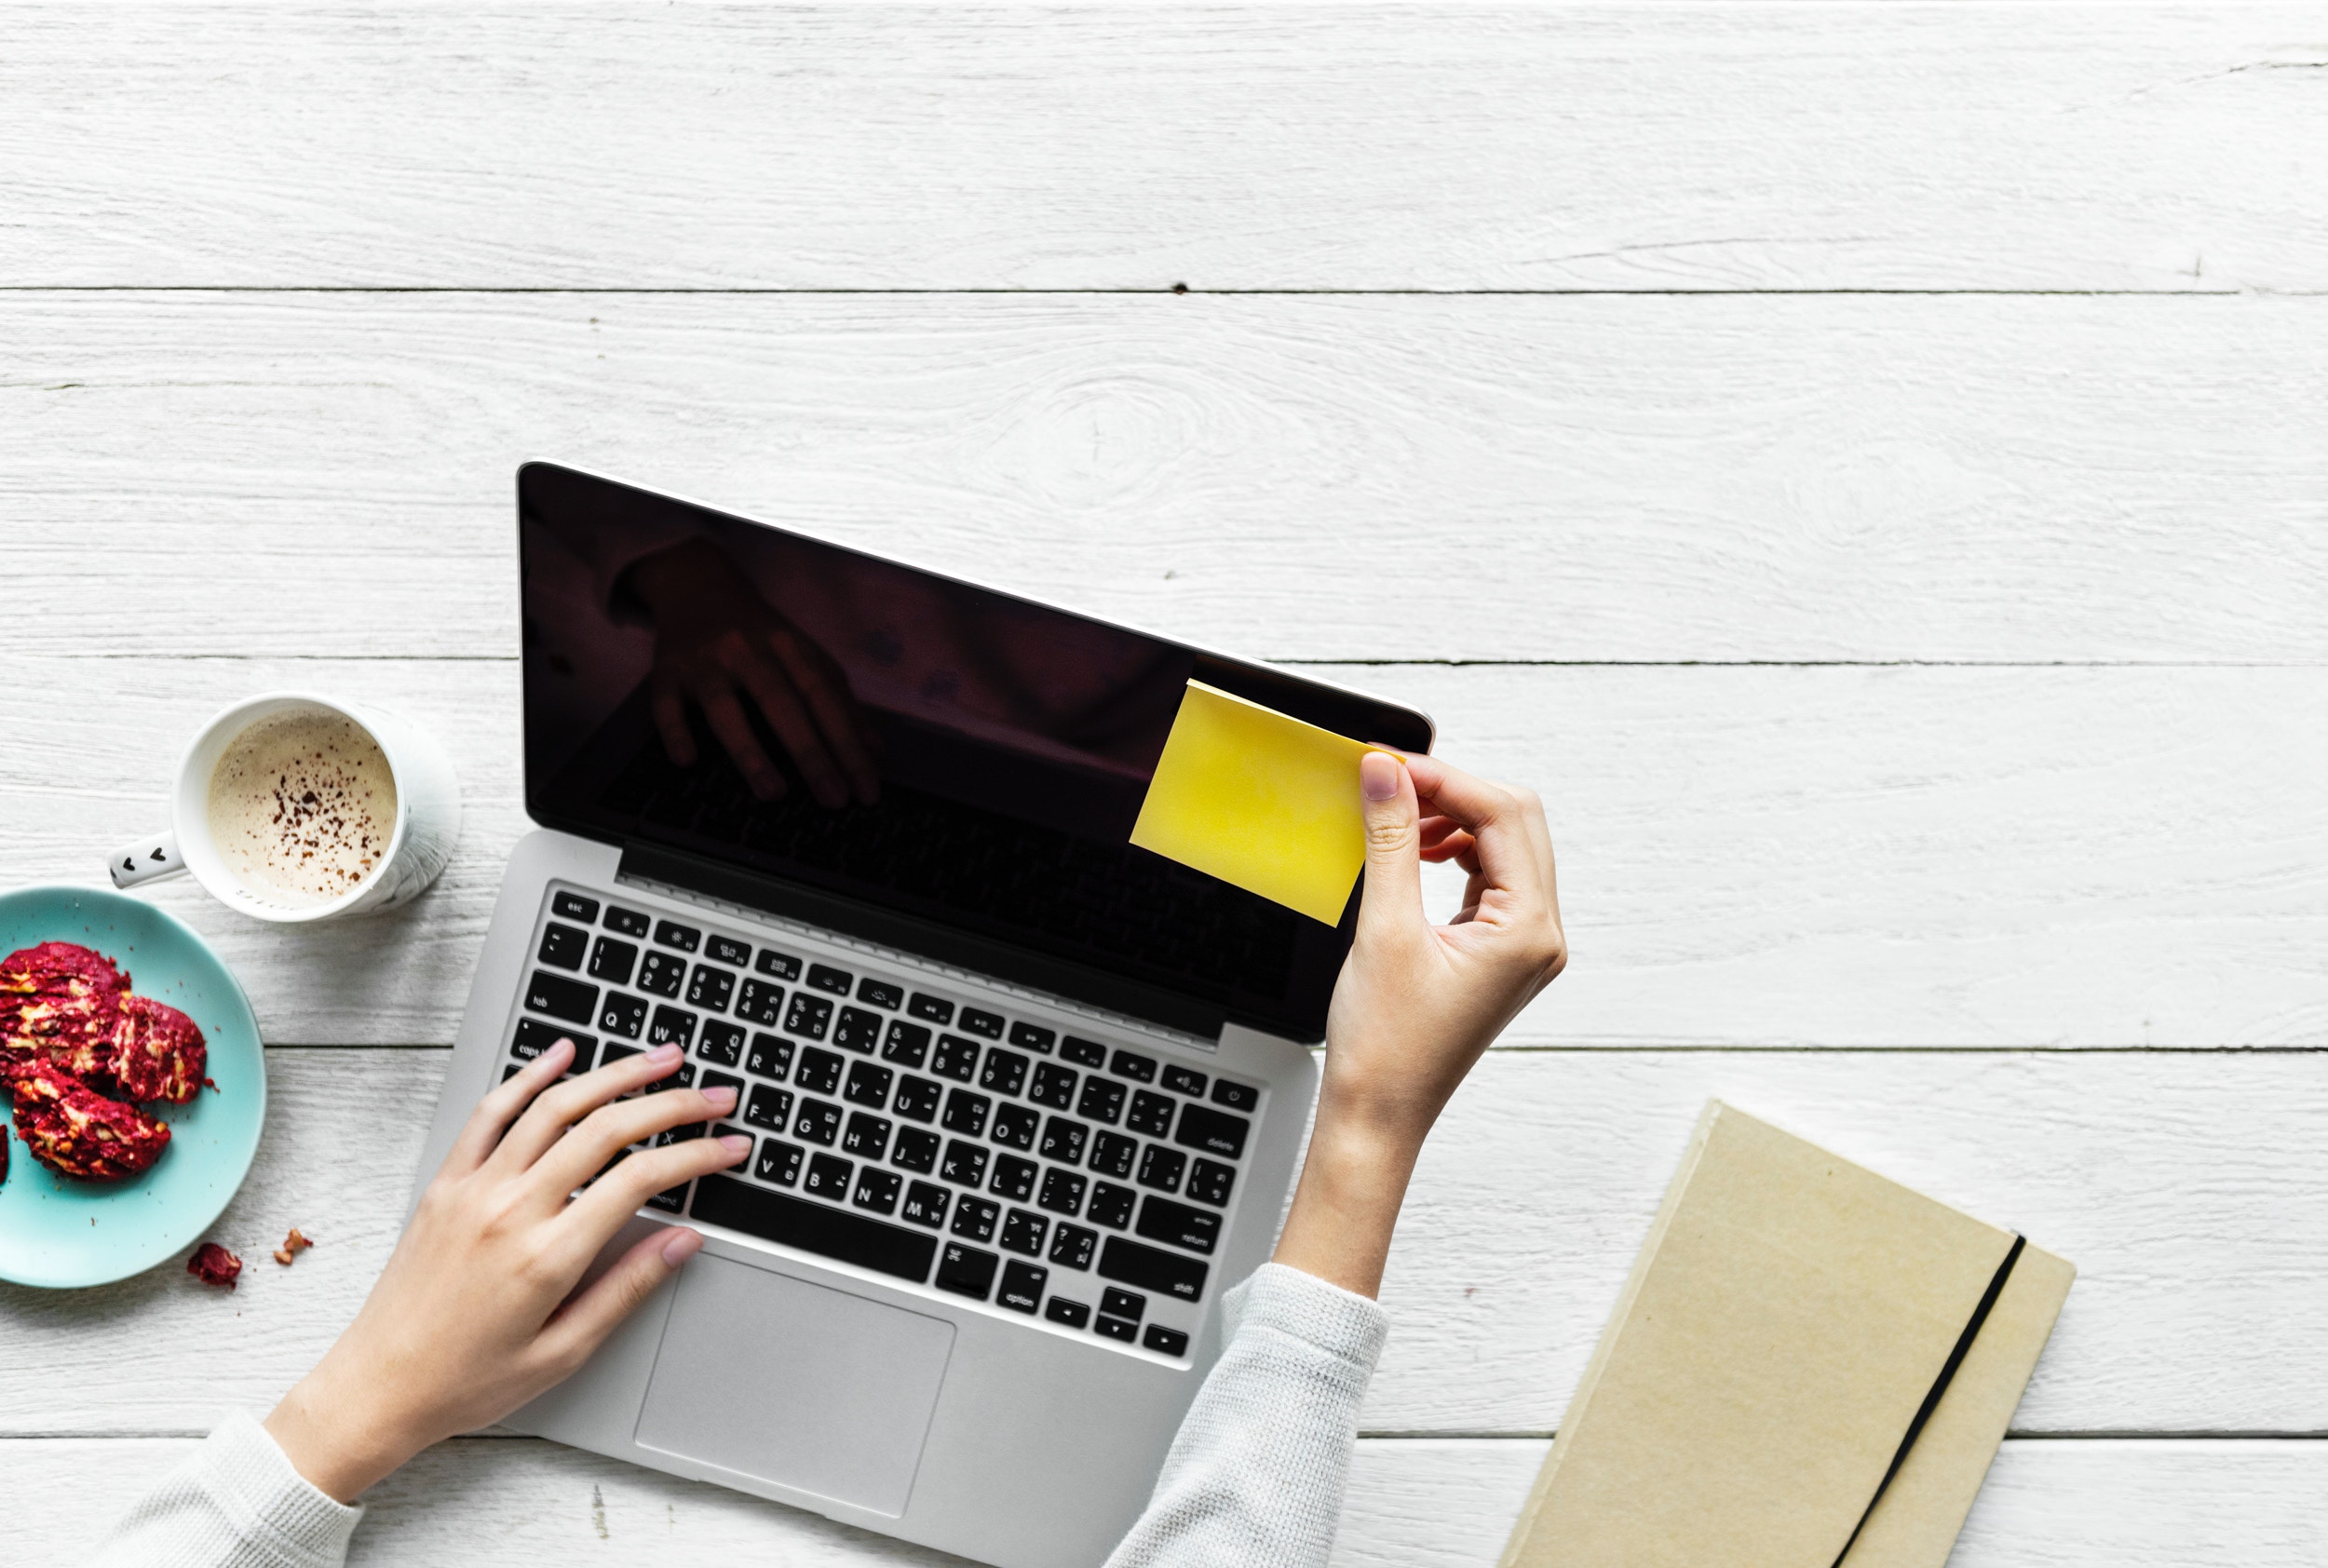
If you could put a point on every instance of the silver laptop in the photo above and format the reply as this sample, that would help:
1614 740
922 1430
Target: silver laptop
1024 1100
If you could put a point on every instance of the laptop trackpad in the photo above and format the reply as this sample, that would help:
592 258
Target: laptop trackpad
795 1384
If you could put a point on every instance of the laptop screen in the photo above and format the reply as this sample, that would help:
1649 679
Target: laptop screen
953 759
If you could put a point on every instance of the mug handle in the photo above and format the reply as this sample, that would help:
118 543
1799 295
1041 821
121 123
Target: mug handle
145 860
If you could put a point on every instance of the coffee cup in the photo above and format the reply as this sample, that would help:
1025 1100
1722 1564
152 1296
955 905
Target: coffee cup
294 807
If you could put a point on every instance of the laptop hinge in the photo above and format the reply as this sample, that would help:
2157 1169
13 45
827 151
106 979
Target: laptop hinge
923 938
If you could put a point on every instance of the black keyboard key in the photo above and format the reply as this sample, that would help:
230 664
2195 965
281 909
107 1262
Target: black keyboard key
881 993
1032 1036
975 1021
1023 1233
819 1121
956 1058
674 1201
1004 1072
574 906
1053 1085
711 988
877 1190
867 1136
975 1218
1151 1113
623 1015
1111 1206
824 977
917 1150
561 997
687 1133
614 1053
858 1030
721 1042
672 1026
727 949
1021 1286
779 1162
917 1098
809 1016
629 922
1170 1342
906 1044
782 966
1160 1168
1214 1132
1112 1154
769 1107
967 1271
1152 1268
965 1112
710 1081
966 1164
1185 1080
670 933
925 1204
684 1078
759 1002
535 1037
562 946
1014 1126
1062 1192
818 1073
662 974
1102 1101
1123 1303
936 1009
811 1227
1070 1245
1063 1140
1209 1182
1162 1220
1013 1178
611 961
1116 1327
1237 1097
1073 1314
771 1056
828 1177
1129 1064
868 1084
1083 1053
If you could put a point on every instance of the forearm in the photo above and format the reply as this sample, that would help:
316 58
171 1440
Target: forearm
1347 1204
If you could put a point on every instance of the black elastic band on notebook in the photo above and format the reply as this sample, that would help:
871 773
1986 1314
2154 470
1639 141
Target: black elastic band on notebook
1939 1387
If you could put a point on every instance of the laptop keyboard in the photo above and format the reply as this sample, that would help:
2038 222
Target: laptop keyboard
900 1125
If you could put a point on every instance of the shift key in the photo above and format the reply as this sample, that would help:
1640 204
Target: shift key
561 997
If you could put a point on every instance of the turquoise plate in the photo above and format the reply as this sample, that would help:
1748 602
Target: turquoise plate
59 1232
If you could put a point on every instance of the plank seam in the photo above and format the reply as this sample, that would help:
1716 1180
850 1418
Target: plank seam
1181 290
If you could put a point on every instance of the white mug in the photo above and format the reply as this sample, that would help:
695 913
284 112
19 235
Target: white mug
427 815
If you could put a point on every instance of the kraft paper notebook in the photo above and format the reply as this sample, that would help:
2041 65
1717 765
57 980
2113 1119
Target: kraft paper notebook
1809 1366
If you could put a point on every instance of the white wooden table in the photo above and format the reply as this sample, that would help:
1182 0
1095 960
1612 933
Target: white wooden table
1864 465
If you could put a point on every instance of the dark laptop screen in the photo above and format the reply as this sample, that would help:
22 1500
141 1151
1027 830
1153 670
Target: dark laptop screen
944 757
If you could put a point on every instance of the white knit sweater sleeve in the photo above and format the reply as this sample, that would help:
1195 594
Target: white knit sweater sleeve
235 1502
1256 1478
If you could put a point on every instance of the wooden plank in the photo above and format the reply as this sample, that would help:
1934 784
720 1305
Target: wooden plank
1442 1503
1750 857
1696 146
2180 1184
1532 478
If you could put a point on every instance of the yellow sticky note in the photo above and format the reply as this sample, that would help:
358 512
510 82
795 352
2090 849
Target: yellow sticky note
1265 802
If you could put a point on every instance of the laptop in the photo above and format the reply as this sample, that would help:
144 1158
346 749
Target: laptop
1024 1098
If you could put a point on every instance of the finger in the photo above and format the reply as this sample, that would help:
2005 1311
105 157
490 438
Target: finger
772 689
582 1324
1495 818
606 1132
725 715
501 1107
547 1120
671 718
1394 868
623 1191
834 708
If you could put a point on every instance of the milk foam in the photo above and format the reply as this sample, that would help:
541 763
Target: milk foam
303 806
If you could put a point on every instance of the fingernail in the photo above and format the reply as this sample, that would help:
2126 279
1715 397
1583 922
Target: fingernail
682 1245
1378 776
736 1144
721 1099
664 1053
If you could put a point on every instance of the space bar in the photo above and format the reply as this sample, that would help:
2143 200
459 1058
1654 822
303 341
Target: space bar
829 1233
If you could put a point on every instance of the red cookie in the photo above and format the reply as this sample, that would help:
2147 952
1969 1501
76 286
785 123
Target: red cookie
75 1131
60 1002
158 1053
